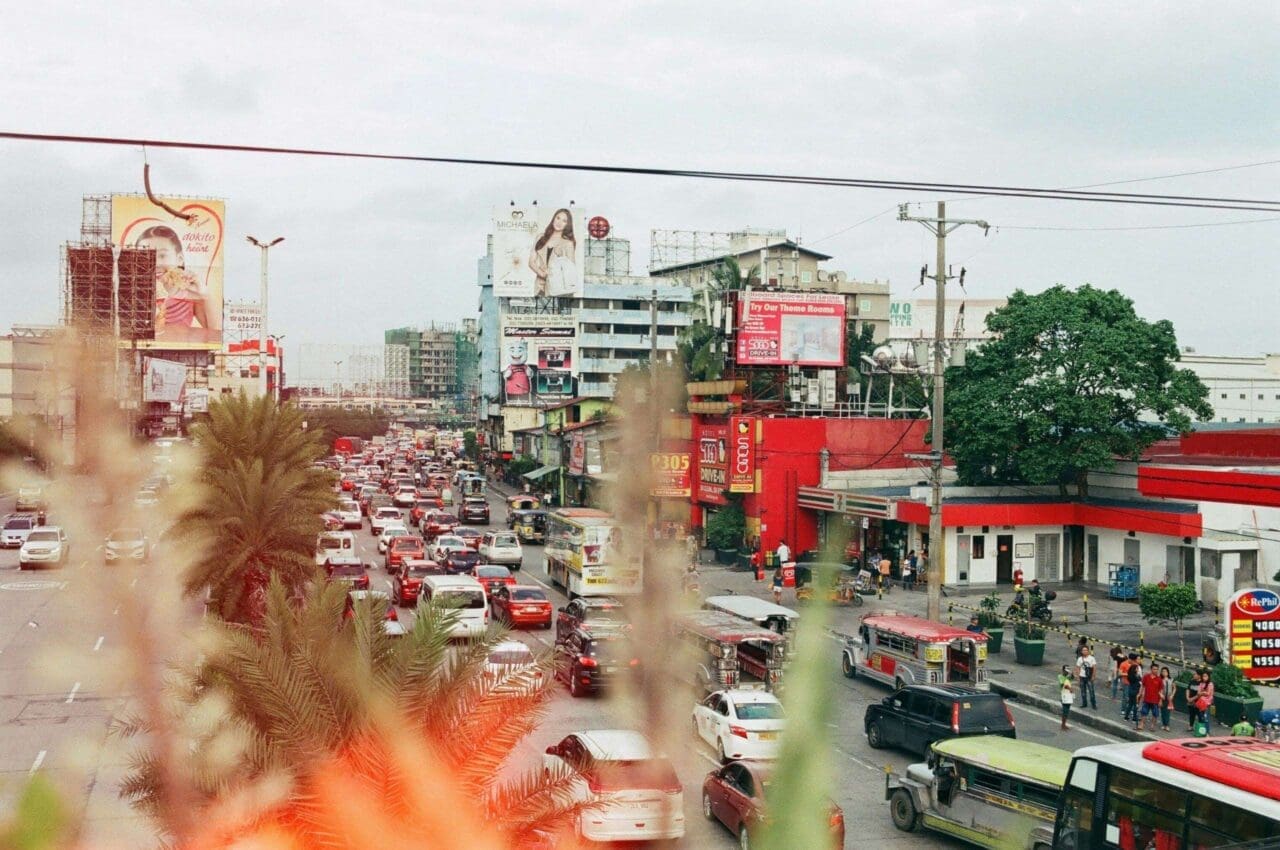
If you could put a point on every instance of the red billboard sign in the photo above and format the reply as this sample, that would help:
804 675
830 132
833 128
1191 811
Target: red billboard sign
790 328
713 467
742 455
671 474
1254 619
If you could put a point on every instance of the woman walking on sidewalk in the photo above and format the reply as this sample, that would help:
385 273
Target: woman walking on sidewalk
1113 670
1193 694
1205 701
1167 691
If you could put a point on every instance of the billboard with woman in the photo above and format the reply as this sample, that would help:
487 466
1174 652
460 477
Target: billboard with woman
537 252
188 264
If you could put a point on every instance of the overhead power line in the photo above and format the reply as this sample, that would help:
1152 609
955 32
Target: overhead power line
1184 201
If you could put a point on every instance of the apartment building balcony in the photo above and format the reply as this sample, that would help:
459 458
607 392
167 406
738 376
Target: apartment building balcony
595 389
619 340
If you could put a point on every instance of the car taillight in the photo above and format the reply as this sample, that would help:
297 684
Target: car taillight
836 820
1008 714
737 732
586 661
635 662
392 615
955 718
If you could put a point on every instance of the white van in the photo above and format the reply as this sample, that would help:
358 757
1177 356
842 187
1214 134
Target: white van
329 543
464 593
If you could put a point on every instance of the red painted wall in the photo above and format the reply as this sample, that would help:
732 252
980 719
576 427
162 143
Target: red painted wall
1242 488
1057 513
1254 442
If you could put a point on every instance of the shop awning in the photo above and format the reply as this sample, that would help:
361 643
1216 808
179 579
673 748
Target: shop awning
540 472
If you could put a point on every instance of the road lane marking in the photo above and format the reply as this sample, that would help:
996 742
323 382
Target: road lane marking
868 765
71 696
35 765
133 583
1110 739
98 645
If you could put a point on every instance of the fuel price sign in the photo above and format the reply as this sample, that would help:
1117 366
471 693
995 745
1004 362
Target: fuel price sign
1253 617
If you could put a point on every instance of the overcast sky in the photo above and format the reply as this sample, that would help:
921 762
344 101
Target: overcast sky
999 92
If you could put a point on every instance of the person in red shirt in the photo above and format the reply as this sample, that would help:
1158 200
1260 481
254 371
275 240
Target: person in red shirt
1152 693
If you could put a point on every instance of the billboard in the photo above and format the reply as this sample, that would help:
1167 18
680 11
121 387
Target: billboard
1253 618
713 473
670 475
537 251
163 380
790 328
742 455
242 320
536 360
188 297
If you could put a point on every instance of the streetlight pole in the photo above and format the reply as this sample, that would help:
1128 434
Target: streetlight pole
337 383
262 328
279 364
939 227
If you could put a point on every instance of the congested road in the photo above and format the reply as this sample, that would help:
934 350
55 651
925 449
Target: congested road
60 690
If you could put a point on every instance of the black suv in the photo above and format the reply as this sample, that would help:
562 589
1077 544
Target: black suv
604 611
913 717
474 510
589 659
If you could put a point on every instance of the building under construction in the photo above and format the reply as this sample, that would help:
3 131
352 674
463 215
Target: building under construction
443 361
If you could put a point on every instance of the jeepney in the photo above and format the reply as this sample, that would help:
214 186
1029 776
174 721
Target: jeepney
529 526
899 649
730 652
987 790
763 613
523 503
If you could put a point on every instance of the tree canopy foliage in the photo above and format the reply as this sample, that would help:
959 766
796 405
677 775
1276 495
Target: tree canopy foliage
333 423
1071 380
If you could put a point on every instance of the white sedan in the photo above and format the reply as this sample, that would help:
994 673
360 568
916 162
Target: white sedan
740 724
446 543
389 531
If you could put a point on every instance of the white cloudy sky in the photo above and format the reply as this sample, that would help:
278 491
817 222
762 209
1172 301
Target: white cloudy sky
1044 94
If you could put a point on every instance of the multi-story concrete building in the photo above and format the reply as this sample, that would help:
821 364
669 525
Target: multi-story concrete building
441 359
28 385
767 259
1241 388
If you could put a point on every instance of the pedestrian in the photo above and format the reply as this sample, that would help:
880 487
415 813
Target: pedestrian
1113 670
1152 692
1132 687
913 568
1243 729
885 566
1167 692
1086 668
777 586
1065 697
1193 694
783 552
975 625
906 575
1081 645
1205 701
1064 675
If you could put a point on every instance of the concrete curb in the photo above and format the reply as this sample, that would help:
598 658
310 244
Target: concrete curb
1082 717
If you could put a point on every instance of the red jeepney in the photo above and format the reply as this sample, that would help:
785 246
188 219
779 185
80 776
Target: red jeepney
899 649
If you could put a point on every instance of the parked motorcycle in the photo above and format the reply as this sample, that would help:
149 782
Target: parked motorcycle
1040 608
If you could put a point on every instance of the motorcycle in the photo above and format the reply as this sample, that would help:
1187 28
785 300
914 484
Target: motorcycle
1040 608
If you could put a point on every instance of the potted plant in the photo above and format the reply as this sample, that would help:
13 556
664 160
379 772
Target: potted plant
990 621
1234 696
725 530
1028 644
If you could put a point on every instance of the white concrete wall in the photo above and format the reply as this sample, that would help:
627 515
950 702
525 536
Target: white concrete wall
1260 523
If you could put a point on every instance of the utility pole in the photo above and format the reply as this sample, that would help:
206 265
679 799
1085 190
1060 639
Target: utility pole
655 505
939 227
262 328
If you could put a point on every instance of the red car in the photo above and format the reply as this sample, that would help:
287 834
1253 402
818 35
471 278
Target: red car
435 523
407 583
402 548
521 605
470 535
734 795
492 576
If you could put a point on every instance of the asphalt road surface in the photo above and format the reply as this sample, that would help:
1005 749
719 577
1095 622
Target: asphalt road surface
60 689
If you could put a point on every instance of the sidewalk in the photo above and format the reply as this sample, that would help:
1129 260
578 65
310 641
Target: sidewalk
1109 622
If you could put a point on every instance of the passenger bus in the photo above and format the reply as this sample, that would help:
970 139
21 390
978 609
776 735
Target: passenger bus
587 556
1180 794
898 650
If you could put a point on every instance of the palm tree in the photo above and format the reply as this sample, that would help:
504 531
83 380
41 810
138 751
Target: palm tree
309 695
702 345
257 514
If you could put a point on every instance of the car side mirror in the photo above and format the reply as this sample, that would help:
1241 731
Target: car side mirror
551 751
561 609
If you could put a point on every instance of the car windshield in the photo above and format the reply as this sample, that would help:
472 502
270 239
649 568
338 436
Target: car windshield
759 711
346 569
464 556
125 535
348 506
983 712
18 522
29 491
404 543
461 598
505 540
530 595
43 537
447 540
394 531
492 572
608 649
325 542
609 614
627 775
425 570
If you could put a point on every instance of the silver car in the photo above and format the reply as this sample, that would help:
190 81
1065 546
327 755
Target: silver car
126 544
502 547
16 529
46 545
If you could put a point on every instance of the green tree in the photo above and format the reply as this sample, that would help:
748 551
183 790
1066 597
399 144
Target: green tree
332 423
258 511
1071 380
470 446
702 346
311 689
1168 606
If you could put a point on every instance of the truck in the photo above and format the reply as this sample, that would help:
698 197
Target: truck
348 446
